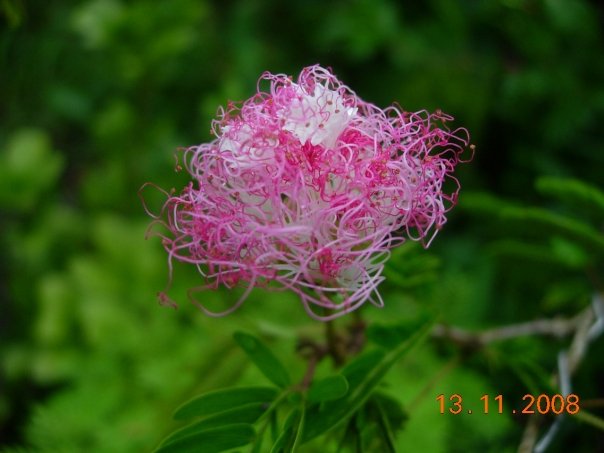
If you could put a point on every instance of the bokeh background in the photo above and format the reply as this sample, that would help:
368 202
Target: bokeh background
95 97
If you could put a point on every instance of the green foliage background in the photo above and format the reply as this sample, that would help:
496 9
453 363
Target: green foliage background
95 96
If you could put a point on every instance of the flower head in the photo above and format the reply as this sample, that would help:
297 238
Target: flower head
307 187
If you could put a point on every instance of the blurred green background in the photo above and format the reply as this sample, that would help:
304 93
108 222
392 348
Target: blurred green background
95 96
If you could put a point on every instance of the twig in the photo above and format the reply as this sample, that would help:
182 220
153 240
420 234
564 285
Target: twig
316 353
310 370
558 328
356 338
529 436
337 346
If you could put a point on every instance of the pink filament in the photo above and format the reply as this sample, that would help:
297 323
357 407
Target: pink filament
308 187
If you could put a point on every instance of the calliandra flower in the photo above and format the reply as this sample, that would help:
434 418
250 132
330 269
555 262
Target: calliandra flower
307 187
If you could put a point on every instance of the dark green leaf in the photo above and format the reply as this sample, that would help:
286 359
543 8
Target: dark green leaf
351 440
295 397
533 376
370 429
573 191
274 426
212 440
356 370
290 438
591 419
264 359
244 414
386 432
538 219
570 253
363 375
525 251
391 335
279 444
223 400
483 203
410 266
373 435
391 409
298 430
571 228
327 389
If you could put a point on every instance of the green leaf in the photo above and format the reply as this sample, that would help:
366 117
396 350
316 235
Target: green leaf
290 437
244 414
409 266
264 359
270 419
525 251
23 179
279 444
363 375
223 400
570 253
572 191
533 376
482 203
298 429
371 435
591 419
295 397
535 219
356 370
370 429
390 336
351 440
212 440
328 389
391 409
559 252
546 220
383 422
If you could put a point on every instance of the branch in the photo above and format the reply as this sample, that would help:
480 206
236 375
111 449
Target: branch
558 328
339 346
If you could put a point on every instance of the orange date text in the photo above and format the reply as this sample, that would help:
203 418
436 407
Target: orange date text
556 404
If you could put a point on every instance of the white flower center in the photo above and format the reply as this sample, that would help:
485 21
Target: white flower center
320 117
246 149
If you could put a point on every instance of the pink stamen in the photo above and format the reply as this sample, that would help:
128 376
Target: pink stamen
310 187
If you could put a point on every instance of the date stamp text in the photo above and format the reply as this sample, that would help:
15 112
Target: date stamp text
556 404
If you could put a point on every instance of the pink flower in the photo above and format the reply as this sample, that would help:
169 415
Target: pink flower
307 187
